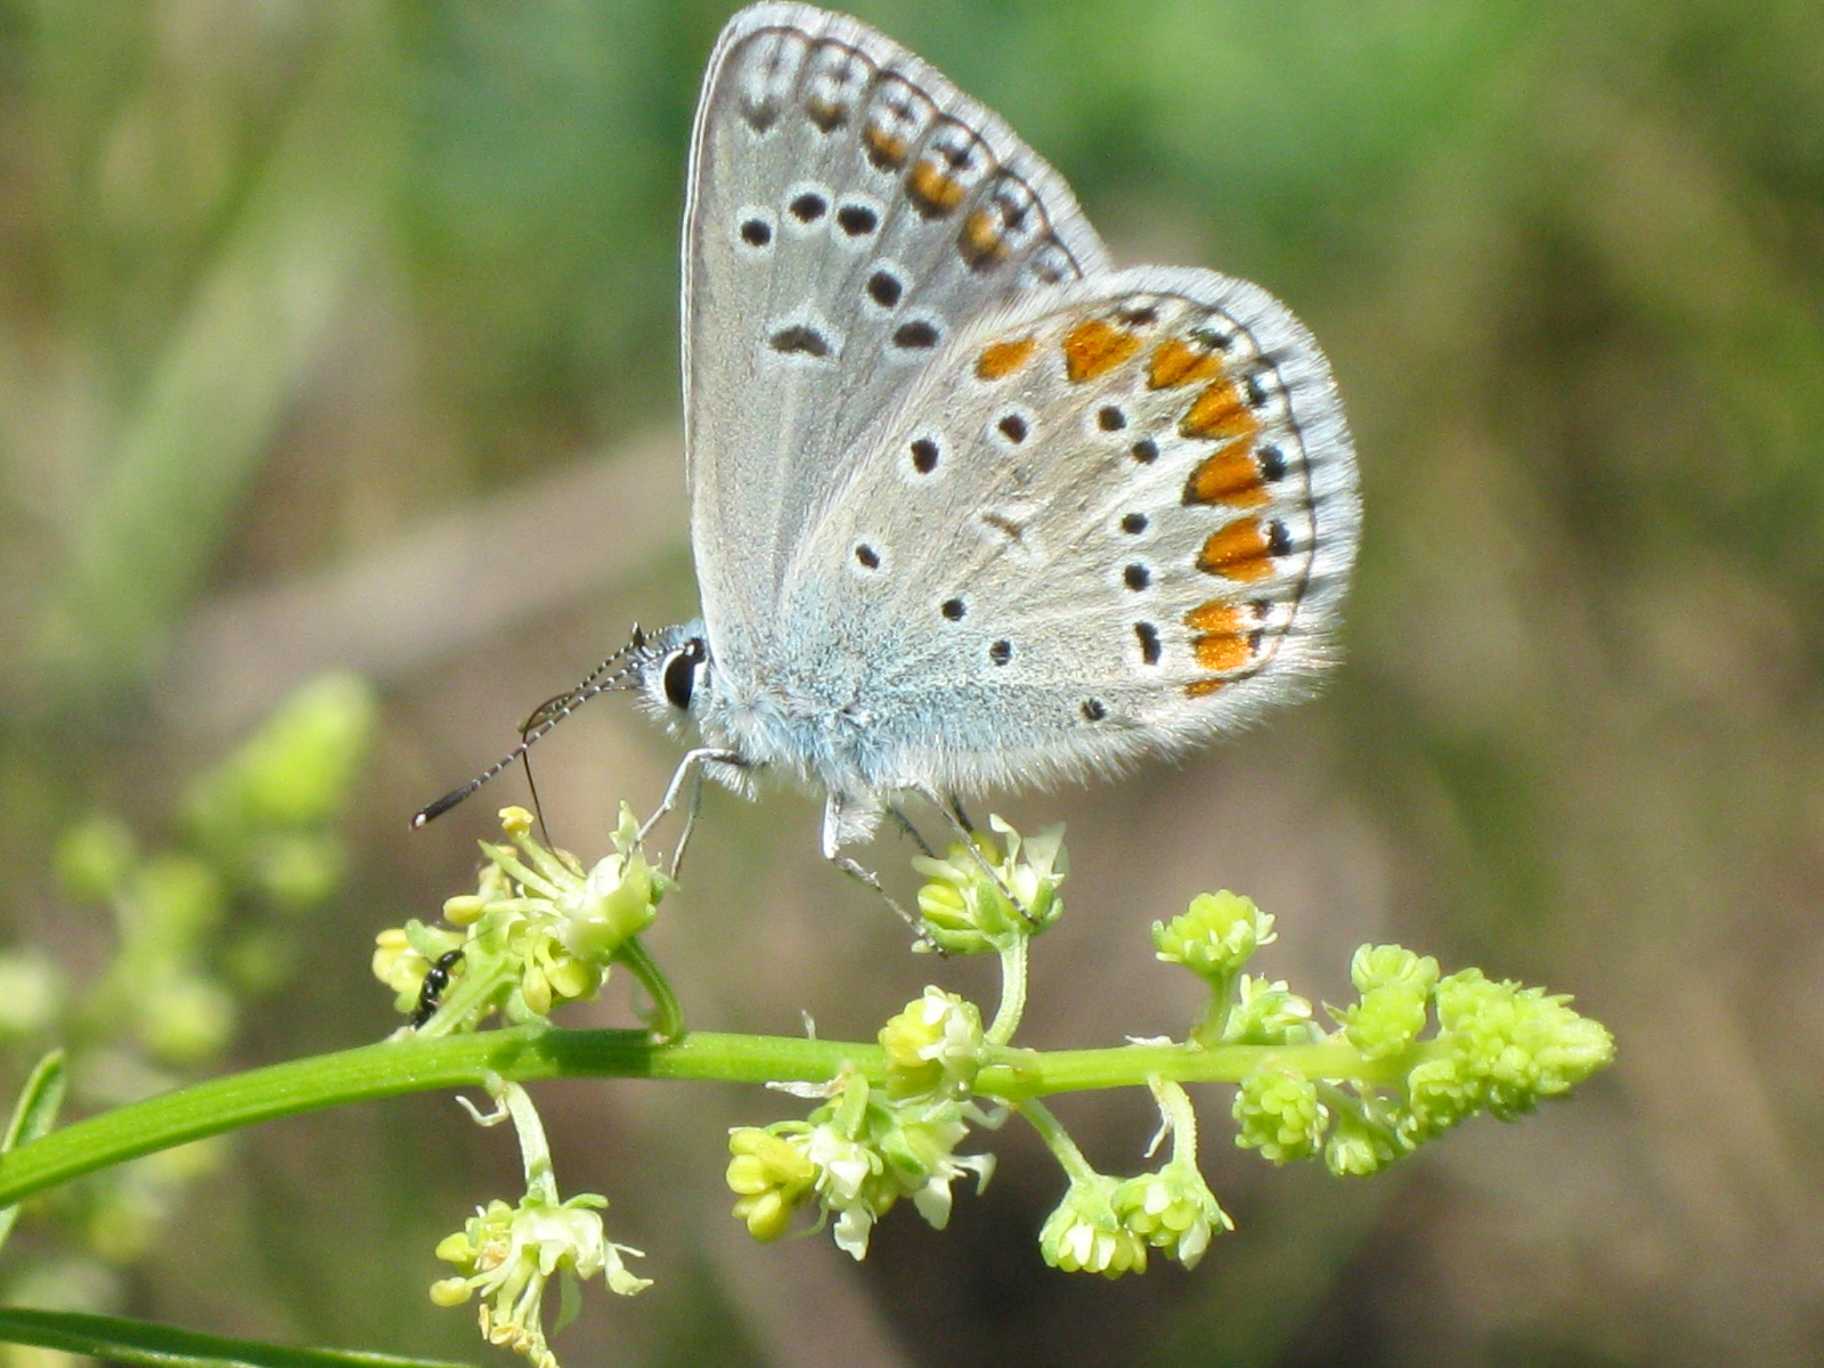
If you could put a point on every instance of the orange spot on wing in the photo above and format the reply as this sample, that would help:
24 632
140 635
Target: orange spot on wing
1221 645
1221 651
1220 413
981 241
1230 476
886 150
1001 359
935 191
1095 347
1176 363
826 114
1237 551
1214 616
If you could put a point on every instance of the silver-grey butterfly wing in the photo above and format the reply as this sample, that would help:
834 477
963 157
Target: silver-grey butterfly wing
1112 519
849 212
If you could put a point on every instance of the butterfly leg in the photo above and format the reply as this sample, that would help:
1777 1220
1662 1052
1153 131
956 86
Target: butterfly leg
904 823
832 851
692 807
955 805
689 767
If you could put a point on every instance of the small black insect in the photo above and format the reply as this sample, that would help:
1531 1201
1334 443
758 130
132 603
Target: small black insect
430 992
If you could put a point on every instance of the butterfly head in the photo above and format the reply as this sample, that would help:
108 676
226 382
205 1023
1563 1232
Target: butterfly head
672 673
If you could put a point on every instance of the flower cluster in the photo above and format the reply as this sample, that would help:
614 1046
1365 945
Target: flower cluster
1265 1012
934 1046
1498 1048
1218 933
1395 986
1414 1054
854 1157
507 1254
1086 1234
1504 1049
994 896
1277 1112
200 922
539 930
1106 1225
871 1144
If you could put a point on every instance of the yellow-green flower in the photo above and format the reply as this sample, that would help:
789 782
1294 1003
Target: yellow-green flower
508 1254
1361 1140
856 1156
1216 936
1267 1012
1510 1047
1173 1210
1395 987
1278 1114
539 930
935 1043
965 906
1085 1234
771 1178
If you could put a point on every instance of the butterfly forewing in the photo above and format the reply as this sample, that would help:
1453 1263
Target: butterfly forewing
850 212
1116 517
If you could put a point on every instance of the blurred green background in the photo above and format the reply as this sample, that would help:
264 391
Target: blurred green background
342 336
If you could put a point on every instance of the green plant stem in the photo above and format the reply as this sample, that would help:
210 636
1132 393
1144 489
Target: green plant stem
1013 993
1057 1140
1019 1074
528 1053
1180 1115
667 1011
1215 1014
534 1149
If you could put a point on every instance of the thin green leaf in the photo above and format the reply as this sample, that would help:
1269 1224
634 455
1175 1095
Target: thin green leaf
115 1340
33 1114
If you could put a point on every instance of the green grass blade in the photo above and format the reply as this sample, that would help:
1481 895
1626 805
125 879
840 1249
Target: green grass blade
33 1114
114 1340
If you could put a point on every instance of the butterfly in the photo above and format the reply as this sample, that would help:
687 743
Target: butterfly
970 507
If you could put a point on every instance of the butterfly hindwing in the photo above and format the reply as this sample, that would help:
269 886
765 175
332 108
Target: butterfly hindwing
1113 518
850 211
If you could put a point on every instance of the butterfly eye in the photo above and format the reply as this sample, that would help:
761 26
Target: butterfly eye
680 676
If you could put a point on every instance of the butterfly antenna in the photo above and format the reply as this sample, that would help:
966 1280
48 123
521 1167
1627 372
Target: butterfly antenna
604 678
538 714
